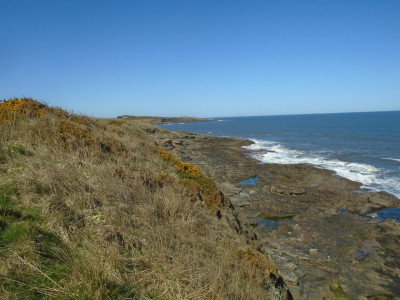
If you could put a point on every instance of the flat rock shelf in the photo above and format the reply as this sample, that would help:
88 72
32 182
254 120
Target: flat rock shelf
320 253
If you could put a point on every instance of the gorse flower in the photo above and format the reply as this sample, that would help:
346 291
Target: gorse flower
17 108
181 167
115 123
10 110
192 176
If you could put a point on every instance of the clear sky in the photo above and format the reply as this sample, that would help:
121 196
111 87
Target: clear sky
202 58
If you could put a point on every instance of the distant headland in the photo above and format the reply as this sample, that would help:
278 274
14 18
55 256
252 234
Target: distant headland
164 120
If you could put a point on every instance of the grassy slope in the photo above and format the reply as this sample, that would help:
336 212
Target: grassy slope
90 209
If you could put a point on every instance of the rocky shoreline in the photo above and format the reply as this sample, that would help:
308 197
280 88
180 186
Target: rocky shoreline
310 223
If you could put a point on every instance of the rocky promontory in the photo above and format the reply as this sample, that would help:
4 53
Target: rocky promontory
163 120
313 225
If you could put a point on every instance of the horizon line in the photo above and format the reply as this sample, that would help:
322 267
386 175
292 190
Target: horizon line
302 114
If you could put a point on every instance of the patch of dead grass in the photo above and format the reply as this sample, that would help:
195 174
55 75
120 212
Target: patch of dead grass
116 220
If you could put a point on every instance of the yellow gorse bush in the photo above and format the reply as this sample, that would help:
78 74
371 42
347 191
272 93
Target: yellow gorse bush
72 135
194 178
115 123
181 167
71 129
10 110
17 108
79 131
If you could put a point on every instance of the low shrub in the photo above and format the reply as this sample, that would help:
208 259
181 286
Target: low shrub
15 109
195 179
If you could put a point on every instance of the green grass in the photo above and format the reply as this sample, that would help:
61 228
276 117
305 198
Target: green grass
18 149
32 213
45 263
8 210
37 284
337 290
5 193
21 236
208 185
14 232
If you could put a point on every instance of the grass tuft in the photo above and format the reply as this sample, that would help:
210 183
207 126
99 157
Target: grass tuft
18 149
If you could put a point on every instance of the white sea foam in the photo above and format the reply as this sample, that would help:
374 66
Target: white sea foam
389 158
370 176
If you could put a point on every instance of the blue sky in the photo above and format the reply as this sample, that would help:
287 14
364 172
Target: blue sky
202 58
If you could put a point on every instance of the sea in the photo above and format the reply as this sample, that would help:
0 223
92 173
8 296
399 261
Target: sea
363 147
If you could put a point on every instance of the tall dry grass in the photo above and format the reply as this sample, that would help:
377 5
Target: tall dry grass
90 210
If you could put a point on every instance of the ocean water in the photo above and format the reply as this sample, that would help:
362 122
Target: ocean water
363 147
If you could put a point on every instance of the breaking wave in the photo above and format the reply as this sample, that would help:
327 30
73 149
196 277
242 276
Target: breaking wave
394 159
369 176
